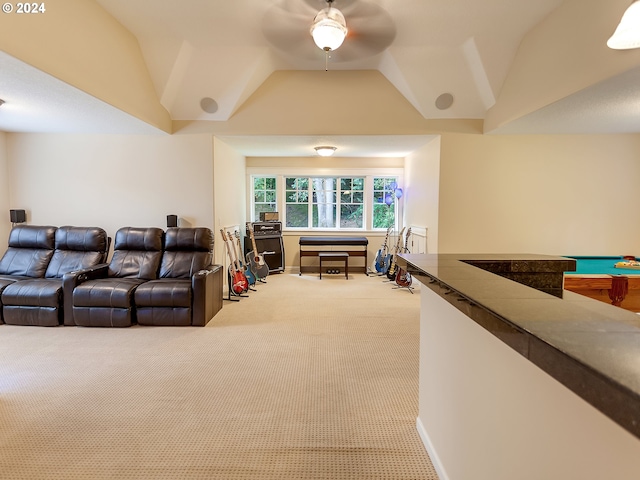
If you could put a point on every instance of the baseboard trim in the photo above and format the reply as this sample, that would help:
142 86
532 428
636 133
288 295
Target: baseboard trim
433 455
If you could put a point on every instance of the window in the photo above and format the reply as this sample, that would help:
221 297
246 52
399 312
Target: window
297 202
352 203
384 202
264 195
328 202
324 202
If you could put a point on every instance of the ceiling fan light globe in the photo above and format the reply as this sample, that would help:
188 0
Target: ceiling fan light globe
627 34
329 29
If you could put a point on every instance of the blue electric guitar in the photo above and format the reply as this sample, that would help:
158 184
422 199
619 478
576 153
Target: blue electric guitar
383 257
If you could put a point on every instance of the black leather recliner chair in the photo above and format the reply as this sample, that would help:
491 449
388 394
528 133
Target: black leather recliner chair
106 298
28 254
43 301
184 292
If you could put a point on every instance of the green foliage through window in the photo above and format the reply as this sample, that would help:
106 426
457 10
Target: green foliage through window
264 195
329 202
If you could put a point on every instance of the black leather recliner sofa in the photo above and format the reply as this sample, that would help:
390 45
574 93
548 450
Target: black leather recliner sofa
51 275
152 283
42 301
33 267
27 256
183 293
106 298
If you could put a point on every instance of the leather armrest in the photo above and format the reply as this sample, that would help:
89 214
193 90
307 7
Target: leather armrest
202 286
71 280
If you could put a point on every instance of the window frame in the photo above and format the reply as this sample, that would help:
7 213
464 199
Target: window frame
265 190
281 173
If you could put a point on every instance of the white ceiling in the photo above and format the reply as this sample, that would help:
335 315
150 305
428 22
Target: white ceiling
224 49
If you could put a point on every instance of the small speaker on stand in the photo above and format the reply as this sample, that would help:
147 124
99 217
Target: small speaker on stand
172 221
17 216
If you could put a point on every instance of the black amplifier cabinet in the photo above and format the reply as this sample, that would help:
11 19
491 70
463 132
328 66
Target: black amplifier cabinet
268 237
265 228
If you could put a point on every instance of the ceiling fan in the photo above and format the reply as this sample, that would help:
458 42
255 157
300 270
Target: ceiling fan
287 25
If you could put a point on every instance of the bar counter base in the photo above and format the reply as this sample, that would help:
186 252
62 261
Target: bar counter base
488 413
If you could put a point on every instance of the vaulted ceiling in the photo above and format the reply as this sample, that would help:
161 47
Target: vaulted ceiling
223 50
206 58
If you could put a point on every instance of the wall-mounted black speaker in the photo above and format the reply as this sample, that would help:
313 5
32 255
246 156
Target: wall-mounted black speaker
172 220
17 216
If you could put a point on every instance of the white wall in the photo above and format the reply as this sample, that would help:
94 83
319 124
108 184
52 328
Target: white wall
112 181
487 413
422 191
5 194
562 194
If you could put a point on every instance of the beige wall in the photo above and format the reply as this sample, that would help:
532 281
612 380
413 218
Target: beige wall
571 194
422 191
111 181
229 193
545 194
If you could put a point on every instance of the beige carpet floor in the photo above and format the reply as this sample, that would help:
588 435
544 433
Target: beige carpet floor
305 379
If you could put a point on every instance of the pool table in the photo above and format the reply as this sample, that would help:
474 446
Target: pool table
597 277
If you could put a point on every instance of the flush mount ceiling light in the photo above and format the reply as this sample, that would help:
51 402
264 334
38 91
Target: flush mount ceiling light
325 151
329 28
627 35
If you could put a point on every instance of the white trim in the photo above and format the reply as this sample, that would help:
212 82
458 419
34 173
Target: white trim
433 455
419 240
281 173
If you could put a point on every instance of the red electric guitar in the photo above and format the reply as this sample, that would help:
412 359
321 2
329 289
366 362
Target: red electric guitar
238 282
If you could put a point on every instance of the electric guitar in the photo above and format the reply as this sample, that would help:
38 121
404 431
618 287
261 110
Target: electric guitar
391 272
256 262
243 266
383 256
403 278
238 282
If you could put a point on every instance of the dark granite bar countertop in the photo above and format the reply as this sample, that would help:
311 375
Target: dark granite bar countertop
590 347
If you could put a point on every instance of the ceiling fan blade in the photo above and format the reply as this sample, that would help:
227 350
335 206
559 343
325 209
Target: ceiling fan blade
371 30
286 26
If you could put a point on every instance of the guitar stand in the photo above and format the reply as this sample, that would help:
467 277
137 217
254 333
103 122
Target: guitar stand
408 287
229 283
